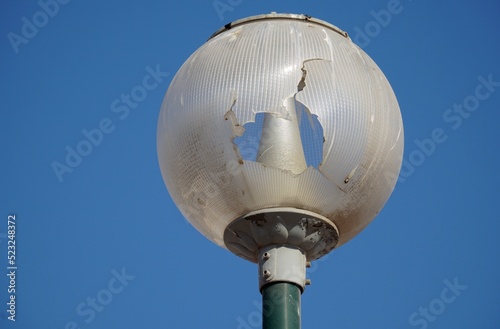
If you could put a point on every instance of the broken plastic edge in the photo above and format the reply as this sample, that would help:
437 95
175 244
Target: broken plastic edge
274 15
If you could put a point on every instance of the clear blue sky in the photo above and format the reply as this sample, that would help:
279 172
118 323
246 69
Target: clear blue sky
103 246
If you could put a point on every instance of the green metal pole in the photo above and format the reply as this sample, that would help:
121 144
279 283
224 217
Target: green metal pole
281 306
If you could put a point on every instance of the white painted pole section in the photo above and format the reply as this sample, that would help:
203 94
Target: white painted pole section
280 263
280 144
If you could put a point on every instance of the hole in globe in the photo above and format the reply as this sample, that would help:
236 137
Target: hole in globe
257 138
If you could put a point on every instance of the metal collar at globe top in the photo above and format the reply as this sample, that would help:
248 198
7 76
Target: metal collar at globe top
275 16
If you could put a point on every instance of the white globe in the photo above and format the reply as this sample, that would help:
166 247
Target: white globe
294 70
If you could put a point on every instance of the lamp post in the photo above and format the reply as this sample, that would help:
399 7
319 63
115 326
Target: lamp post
279 139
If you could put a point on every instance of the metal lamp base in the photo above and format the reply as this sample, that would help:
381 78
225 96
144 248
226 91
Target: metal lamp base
314 234
281 241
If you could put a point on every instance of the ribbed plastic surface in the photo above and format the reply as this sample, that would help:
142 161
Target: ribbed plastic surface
252 68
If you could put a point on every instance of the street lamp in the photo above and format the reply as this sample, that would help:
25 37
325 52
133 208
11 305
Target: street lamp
280 139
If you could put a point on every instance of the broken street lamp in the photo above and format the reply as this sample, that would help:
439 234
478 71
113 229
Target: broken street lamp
280 139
